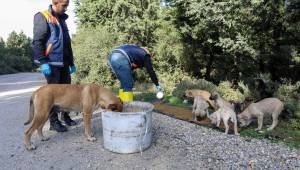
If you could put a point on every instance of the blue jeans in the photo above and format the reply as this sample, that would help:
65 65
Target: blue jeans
122 69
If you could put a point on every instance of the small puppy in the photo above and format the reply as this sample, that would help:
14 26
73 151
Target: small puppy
204 94
200 107
84 98
226 114
266 107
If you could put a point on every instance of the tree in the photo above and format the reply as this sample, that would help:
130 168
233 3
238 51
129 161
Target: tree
215 37
136 20
237 39
19 52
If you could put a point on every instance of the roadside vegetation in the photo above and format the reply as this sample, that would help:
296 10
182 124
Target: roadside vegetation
16 54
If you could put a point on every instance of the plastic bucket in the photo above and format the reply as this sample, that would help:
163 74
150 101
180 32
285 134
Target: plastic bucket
129 131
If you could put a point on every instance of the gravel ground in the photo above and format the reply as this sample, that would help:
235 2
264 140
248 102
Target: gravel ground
176 144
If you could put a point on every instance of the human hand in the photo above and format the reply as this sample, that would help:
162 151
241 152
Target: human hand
73 69
158 88
46 70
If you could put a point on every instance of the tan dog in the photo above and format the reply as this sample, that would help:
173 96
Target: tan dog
266 107
81 98
199 107
225 114
205 94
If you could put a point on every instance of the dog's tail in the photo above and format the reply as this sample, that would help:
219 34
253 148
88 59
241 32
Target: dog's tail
31 110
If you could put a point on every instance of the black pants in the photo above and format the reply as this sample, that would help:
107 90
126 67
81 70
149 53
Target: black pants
59 75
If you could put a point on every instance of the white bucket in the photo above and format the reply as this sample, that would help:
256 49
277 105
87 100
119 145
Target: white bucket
129 131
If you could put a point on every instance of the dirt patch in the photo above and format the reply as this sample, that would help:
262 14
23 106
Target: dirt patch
186 115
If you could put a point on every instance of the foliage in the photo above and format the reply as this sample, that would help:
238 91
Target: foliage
216 37
16 54
135 20
295 123
235 39
91 49
289 94
229 93
169 81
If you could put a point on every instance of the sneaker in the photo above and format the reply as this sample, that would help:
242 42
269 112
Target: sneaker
57 126
68 121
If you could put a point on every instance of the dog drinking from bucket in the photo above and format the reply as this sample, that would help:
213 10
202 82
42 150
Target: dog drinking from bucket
84 98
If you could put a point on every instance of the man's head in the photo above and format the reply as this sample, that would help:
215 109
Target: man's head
60 6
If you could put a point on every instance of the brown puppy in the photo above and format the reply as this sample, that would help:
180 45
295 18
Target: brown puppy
81 98
205 94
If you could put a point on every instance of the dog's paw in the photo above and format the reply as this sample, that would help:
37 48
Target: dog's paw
91 139
45 139
30 147
237 134
257 129
269 129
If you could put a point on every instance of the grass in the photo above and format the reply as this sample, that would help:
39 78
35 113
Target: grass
283 133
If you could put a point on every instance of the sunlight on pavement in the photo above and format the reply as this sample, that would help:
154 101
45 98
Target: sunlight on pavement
16 92
21 82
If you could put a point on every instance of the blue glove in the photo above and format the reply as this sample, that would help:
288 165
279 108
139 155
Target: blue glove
73 69
158 88
46 70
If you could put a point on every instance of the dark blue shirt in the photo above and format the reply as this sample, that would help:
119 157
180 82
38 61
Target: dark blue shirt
140 58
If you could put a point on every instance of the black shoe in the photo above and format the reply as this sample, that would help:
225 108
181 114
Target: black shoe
57 126
68 121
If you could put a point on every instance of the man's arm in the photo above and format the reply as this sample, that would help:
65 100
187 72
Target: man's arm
149 68
40 35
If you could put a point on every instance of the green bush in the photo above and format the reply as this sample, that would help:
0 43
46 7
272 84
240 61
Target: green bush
91 49
226 90
289 94
16 54
169 81
295 124
5 67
